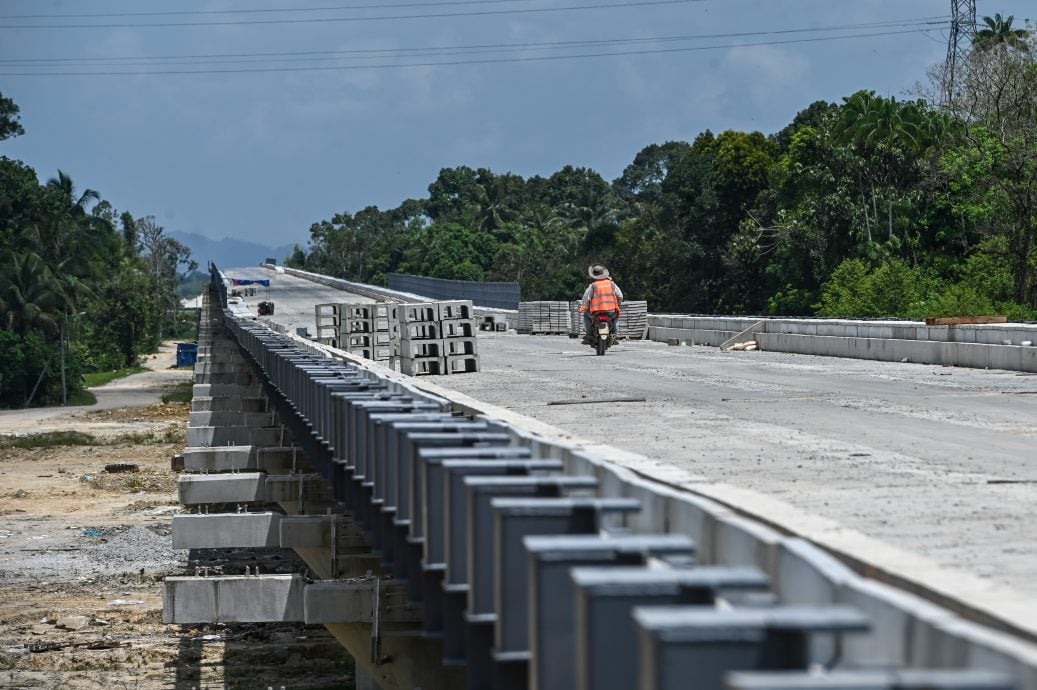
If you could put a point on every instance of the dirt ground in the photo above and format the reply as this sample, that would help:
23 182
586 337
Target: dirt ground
84 550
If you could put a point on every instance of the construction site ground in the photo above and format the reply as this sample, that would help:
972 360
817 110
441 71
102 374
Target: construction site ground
84 550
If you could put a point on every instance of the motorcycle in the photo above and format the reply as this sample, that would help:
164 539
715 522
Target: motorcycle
602 335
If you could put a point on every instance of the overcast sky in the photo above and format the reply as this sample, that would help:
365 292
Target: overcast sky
226 150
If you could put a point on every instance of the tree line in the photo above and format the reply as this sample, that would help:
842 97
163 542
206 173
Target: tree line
870 207
75 275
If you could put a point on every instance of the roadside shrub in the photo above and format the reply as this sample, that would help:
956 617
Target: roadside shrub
894 289
23 358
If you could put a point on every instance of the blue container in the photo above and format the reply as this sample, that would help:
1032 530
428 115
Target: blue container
186 354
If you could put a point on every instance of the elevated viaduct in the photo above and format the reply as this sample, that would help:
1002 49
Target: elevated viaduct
757 512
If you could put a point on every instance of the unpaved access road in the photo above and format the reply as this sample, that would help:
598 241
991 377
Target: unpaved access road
937 461
83 552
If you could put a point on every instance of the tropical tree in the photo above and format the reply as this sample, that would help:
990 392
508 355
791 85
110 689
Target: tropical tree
996 100
999 31
30 295
9 124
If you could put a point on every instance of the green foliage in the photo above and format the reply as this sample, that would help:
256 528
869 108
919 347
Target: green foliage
297 259
54 439
192 285
9 124
99 378
82 398
791 301
32 362
892 289
895 289
999 31
183 392
847 292
48 439
183 326
122 324
69 275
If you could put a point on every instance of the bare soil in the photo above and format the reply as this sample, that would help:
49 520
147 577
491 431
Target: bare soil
83 552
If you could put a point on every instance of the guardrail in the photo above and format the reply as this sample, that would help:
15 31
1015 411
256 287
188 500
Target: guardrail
541 564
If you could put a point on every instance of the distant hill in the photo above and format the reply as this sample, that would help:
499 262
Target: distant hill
229 251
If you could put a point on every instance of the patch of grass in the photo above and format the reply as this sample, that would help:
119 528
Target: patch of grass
171 434
83 397
54 439
99 378
180 393
49 439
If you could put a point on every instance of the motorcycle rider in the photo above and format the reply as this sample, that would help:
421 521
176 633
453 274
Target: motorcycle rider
602 295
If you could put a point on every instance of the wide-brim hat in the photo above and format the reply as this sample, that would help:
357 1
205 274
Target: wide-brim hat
598 271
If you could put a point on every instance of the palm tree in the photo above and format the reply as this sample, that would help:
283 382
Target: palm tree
868 120
1000 32
30 295
878 127
76 207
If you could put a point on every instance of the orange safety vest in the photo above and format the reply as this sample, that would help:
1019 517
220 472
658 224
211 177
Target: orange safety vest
603 297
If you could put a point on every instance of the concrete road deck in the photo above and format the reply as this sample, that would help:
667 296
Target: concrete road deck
938 461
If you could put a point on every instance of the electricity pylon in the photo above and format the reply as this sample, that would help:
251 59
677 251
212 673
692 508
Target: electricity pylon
963 30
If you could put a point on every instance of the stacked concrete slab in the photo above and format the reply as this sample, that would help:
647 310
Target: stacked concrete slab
575 320
544 318
493 322
633 320
434 338
360 329
327 320
365 330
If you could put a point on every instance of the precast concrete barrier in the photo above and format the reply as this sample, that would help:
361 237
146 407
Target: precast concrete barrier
513 544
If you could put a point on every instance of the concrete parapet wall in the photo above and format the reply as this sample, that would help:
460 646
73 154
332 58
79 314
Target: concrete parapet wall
974 355
969 345
697 336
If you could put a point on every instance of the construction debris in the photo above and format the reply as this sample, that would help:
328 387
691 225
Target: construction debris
596 400
746 346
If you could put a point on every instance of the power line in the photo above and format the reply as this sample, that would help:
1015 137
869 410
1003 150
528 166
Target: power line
311 55
314 20
485 61
180 13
